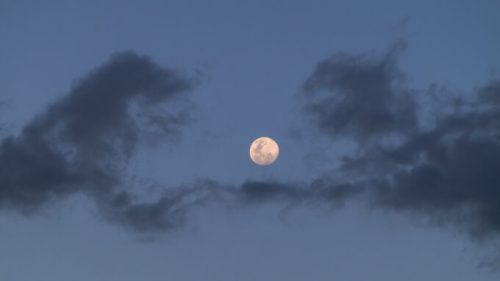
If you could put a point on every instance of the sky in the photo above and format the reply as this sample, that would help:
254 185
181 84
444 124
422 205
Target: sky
125 128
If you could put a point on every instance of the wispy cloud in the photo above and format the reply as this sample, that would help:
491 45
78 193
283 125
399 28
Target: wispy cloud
79 142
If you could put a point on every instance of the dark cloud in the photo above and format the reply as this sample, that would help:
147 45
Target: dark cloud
323 191
447 170
171 209
3 105
166 213
491 92
360 96
451 172
80 141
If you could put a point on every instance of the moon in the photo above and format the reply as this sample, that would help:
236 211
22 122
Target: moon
264 151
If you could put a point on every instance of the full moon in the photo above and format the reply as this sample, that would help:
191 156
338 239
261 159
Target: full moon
264 151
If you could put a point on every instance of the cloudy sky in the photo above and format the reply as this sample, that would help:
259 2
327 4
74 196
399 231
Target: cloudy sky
125 128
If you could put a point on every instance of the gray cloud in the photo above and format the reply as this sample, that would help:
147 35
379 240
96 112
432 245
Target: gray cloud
79 142
325 192
360 96
448 171
491 92
171 209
